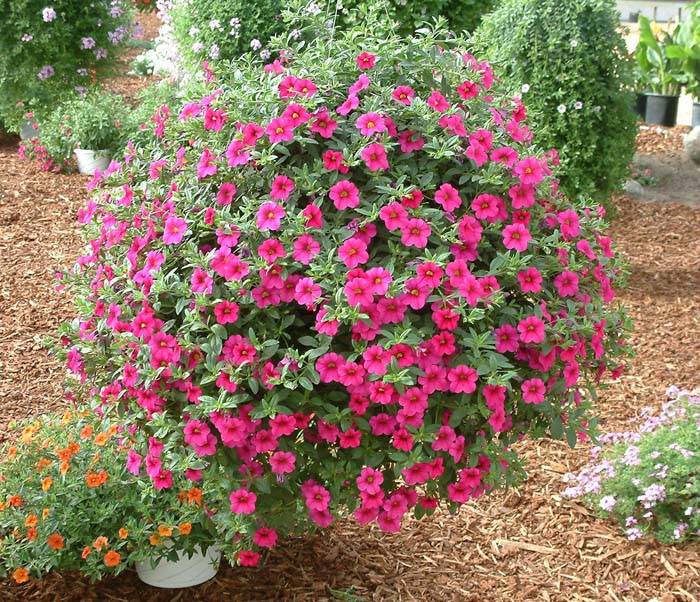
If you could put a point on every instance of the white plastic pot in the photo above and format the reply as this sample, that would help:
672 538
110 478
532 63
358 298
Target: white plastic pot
184 572
27 130
89 161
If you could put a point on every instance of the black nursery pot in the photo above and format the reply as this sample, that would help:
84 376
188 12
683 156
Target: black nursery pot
696 114
640 105
661 109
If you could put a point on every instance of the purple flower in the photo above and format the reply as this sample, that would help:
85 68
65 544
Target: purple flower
87 43
27 37
48 14
633 533
607 503
45 72
100 53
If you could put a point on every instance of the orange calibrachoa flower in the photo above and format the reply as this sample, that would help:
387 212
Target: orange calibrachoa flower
15 501
67 417
20 575
31 521
101 439
45 513
46 483
100 542
43 464
164 531
95 479
123 533
11 452
31 534
185 528
86 431
28 433
154 539
112 558
86 552
64 466
55 541
194 496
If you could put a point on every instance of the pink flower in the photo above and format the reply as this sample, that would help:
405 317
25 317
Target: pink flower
201 281
462 379
358 291
437 102
282 187
349 105
531 330
317 498
344 195
516 236
226 193
506 339
415 233
248 558
353 252
529 170
265 537
295 114
305 248
271 250
365 61
282 462
569 223
270 216
486 206
447 196
226 312
228 265
394 216
362 83
370 480
374 157
566 283
305 87
323 125
214 119
403 94
206 165
533 391
530 280
468 90
236 153
280 130
370 123
306 291
242 501
175 228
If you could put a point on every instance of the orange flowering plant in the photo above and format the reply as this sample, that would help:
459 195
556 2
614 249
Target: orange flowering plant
68 502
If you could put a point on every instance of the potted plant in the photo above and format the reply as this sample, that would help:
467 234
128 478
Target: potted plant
321 313
662 72
89 127
67 482
687 50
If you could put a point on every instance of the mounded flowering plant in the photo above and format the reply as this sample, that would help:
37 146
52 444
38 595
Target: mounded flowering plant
344 283
648 479
69 501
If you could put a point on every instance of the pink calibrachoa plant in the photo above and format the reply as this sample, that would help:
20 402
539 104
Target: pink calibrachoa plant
353 291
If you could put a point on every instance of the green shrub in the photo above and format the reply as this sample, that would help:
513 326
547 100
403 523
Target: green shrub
223 30
48 49
461 15
649 480
571 58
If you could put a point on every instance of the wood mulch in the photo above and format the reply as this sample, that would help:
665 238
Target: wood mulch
521 545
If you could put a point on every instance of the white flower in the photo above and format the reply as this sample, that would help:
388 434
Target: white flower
578 105
525 89
214 24
197 47
574 43
313 8
193 31
48 14
607 503
255 44
265 54
214 51
561 109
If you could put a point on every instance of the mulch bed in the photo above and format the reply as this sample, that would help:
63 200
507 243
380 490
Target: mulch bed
520 545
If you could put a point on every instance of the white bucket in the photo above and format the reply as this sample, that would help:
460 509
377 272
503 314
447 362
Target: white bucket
27 130
89 161
184 572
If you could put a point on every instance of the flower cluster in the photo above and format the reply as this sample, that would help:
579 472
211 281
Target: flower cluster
46 53
345 282
67 502
647 479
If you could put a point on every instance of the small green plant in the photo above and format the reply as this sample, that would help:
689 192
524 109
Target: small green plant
648 480
94 122
569 61
68 501
660 57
